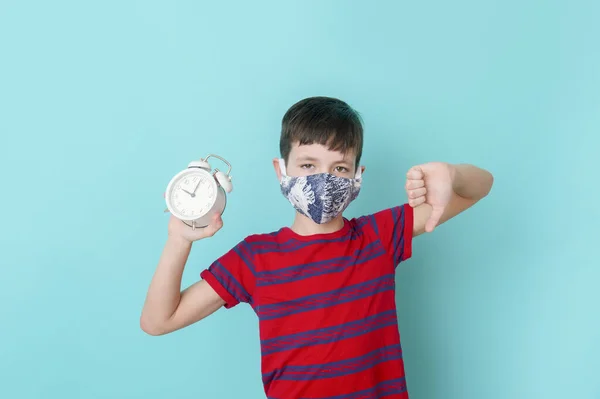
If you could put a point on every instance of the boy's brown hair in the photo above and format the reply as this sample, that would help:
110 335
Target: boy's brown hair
322 120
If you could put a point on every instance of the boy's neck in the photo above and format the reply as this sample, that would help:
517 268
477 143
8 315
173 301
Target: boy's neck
305 227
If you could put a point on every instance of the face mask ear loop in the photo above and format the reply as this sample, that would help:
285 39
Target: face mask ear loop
282 167
358 175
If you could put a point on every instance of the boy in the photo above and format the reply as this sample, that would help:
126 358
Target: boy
323 289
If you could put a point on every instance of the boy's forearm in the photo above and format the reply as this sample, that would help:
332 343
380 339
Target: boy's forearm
164 292
471 182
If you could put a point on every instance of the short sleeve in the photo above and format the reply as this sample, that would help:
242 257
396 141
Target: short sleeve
232 276
394 226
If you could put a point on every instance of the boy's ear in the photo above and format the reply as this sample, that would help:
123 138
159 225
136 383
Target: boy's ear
277 169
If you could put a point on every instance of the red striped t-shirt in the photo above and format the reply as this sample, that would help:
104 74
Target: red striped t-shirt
326 306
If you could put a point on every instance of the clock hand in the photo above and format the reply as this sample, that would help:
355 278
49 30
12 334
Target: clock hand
192 194
197 185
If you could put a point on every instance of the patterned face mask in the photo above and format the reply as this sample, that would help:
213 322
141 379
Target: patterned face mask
320 197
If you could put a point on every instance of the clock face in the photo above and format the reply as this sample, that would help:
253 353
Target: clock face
192 194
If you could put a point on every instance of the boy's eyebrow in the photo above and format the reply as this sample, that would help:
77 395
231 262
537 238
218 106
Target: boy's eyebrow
344 162
307 158
313 159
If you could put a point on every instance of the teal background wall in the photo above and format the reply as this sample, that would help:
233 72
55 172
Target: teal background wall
102 102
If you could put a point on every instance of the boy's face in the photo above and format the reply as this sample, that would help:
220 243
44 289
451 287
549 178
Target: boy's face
309 159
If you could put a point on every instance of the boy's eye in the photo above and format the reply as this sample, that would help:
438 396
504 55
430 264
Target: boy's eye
341 169
306 166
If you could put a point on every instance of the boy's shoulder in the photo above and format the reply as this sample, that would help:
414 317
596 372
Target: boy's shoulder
271 236
264 242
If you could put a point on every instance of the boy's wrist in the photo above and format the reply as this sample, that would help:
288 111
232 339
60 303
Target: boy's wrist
178 240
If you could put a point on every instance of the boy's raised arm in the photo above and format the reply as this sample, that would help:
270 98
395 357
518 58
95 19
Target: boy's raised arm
167 308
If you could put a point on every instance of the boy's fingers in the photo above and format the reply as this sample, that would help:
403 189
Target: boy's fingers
412 184
415 173
214 226
419 192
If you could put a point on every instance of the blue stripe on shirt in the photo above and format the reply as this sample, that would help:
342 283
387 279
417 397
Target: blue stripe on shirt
291 245
398 224
335 369
386 388
303 271
230 283
243 251
327 299
329 334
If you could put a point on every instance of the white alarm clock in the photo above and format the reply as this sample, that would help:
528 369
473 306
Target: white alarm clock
197 193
